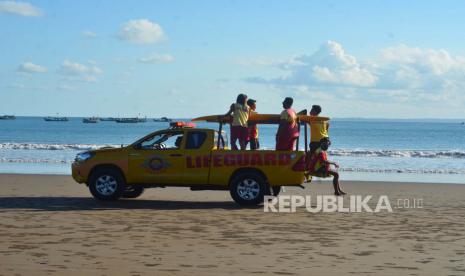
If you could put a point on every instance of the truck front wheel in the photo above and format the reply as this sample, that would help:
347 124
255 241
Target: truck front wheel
248 189
106 184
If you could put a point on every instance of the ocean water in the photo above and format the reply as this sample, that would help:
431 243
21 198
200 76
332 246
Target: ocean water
417 151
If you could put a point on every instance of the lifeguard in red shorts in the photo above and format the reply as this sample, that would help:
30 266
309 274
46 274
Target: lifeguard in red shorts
240 115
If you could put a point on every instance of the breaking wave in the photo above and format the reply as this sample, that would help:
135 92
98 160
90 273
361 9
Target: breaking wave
35 161
459 154
417 171
27 146
398 153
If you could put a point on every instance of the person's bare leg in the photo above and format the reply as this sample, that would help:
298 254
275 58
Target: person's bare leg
336 179
337 188
335 176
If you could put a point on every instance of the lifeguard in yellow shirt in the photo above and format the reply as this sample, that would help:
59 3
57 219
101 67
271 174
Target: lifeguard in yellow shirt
240 112
318 130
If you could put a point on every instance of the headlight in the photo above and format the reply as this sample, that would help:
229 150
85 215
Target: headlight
83 156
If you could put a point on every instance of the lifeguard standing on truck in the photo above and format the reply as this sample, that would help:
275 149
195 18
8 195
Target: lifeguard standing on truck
318 129
253 127
288 130
240 116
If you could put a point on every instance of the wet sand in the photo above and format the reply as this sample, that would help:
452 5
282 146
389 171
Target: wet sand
50 225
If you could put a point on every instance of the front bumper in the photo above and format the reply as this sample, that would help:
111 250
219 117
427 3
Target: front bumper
78 172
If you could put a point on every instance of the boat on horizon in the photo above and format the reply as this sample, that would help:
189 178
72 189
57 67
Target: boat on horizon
131 120
127 120
56 119
162 119
108 119
90 120
8 117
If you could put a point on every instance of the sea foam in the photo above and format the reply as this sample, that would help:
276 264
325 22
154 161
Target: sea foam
33 146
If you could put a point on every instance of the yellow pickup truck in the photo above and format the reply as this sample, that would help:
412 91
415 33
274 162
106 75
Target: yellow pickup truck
185 156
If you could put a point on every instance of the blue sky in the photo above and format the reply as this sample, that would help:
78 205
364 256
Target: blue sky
391 59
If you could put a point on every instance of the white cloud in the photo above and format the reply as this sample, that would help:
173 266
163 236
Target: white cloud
435 61
19 8
80 71
141 31
426 69
29 67
330 65
157 58
89 34
398 73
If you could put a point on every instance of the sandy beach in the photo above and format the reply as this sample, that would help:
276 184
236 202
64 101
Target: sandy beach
50 225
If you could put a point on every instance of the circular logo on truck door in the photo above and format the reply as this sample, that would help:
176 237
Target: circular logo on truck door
155 164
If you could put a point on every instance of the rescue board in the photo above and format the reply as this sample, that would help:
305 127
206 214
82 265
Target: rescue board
309 119
259 118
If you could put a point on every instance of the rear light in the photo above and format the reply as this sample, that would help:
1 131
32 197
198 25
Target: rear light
300 165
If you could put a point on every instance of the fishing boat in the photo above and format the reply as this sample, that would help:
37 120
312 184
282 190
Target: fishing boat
90 120
162 119
127 120
109 119
8 117
56 119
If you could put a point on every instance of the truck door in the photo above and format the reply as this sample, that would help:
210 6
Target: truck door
198 154
158 159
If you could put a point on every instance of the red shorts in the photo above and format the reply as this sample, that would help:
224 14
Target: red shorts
286 143
239 133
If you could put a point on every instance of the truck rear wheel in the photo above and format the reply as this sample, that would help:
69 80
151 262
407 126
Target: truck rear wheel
132 191
106 184
248 189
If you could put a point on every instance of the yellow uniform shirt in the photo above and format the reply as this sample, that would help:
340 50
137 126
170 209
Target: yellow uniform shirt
240 115
318 131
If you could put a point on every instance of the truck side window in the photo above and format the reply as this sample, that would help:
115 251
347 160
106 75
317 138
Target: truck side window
163 141
195 139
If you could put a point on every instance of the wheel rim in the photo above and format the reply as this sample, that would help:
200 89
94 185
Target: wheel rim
248 189
106 185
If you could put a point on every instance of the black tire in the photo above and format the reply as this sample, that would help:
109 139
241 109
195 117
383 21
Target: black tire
248 189
276 190
106 184
132 191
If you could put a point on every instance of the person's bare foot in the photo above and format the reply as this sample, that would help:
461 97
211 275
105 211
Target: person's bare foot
342 192
338 194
